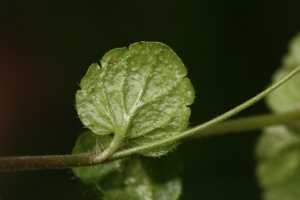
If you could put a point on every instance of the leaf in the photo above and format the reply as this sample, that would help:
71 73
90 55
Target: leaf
138 178
278 170
143 178
139 94
287 96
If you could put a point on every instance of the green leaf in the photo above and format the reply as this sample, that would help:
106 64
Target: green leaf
287 96
139 94
143 178
278 170
137 178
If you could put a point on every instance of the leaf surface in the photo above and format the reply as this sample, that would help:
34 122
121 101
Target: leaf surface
278 169
140 94
143 178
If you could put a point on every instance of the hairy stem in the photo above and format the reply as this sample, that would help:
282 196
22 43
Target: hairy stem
248 124
68 161
112 148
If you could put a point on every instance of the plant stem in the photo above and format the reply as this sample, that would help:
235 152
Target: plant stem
22 163
68 161
113 147
89 159
247 124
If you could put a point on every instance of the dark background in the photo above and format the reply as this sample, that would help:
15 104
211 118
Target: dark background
231 48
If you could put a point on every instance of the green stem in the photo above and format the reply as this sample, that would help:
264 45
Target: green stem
68 161
247 124
89 159
112 148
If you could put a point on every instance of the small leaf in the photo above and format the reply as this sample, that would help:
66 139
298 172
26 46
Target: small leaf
287 97
139 94
278 170
143 178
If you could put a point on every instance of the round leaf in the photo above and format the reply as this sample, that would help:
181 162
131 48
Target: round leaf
143 178
140 94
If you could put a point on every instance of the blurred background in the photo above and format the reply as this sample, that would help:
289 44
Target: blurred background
230 47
